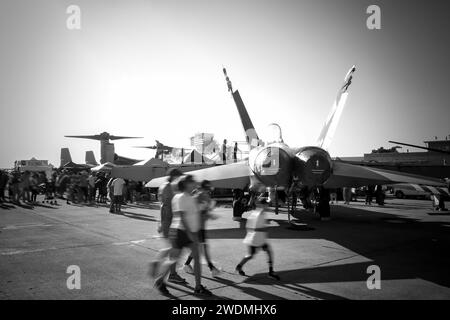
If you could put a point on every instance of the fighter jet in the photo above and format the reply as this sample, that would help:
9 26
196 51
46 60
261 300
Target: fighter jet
274 165
107 148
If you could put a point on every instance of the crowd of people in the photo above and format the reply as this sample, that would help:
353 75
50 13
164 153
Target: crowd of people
73 187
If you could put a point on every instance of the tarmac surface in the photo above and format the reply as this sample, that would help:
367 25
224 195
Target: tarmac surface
318 260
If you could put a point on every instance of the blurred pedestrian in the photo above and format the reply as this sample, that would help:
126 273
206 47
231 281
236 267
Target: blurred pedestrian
165 196
183 234
256 238
205 204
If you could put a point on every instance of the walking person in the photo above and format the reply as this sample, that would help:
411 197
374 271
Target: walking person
256 238
206 204
166 193
183 234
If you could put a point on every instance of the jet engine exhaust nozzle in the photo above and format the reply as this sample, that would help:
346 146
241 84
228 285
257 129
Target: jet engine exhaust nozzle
272 165
313 166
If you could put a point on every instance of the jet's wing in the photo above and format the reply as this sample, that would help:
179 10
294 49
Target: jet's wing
349 175
229 176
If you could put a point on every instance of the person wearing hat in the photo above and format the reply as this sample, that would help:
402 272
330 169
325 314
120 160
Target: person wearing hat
184 234
257 238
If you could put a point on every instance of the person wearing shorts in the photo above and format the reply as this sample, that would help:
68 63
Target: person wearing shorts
256 238
183 234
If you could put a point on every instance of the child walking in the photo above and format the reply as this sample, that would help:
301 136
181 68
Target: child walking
257 238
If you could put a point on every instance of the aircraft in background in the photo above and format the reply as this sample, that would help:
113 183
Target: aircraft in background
161 149
189 159
107 153
275 166
67 163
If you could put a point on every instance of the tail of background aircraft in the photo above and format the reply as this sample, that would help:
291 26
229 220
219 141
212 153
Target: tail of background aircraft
329 128
90 158
65 156
249 128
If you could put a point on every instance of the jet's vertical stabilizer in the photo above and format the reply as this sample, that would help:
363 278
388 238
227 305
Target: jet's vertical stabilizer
65 156
250 132
90 158
329 128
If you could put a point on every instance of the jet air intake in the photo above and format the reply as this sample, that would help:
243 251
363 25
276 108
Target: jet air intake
313 166
272 165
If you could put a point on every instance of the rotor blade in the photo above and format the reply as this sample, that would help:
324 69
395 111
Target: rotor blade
121 137
146 147
329 128
92 137
420 147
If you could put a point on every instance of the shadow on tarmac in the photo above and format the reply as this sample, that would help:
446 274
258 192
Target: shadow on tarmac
404 248
137 216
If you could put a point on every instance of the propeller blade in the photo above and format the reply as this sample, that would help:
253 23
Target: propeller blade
92 137
111 137
146 147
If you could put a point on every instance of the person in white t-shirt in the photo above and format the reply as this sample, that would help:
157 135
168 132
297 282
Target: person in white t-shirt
257 238
117 185
183 233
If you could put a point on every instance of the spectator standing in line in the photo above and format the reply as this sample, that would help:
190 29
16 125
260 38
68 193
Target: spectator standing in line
118 186
224 151
369 194
25 186
3 183
91 187
110 188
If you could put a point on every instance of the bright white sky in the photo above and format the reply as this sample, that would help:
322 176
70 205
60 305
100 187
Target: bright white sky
154 69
